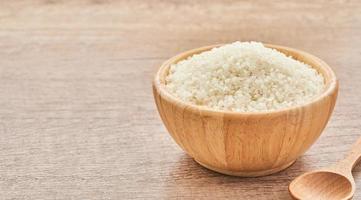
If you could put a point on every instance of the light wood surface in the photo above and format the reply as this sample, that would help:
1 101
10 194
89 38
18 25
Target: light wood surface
331 183
78 119
246 144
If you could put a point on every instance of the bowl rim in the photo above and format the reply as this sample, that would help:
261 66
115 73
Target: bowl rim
330 88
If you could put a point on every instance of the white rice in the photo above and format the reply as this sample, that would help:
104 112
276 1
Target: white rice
245 77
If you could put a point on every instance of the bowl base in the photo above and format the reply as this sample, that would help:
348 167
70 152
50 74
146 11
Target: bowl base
247 173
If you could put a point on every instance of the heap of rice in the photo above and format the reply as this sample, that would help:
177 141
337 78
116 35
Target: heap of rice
245 77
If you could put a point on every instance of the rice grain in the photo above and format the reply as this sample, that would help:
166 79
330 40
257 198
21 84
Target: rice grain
244 77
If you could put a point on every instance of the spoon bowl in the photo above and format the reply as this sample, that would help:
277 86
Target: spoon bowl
322 185
333 183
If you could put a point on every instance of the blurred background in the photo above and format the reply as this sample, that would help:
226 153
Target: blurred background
77 117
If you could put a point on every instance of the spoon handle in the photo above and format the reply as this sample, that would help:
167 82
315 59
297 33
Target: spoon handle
352 157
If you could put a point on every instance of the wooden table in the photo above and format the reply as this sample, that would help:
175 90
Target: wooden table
77 116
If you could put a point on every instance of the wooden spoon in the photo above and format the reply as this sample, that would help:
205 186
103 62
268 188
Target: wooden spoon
333 183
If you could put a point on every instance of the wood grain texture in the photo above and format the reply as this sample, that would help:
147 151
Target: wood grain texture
332 182
246 144
77 116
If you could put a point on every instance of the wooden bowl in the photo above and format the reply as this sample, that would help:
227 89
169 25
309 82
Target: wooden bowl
240 143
